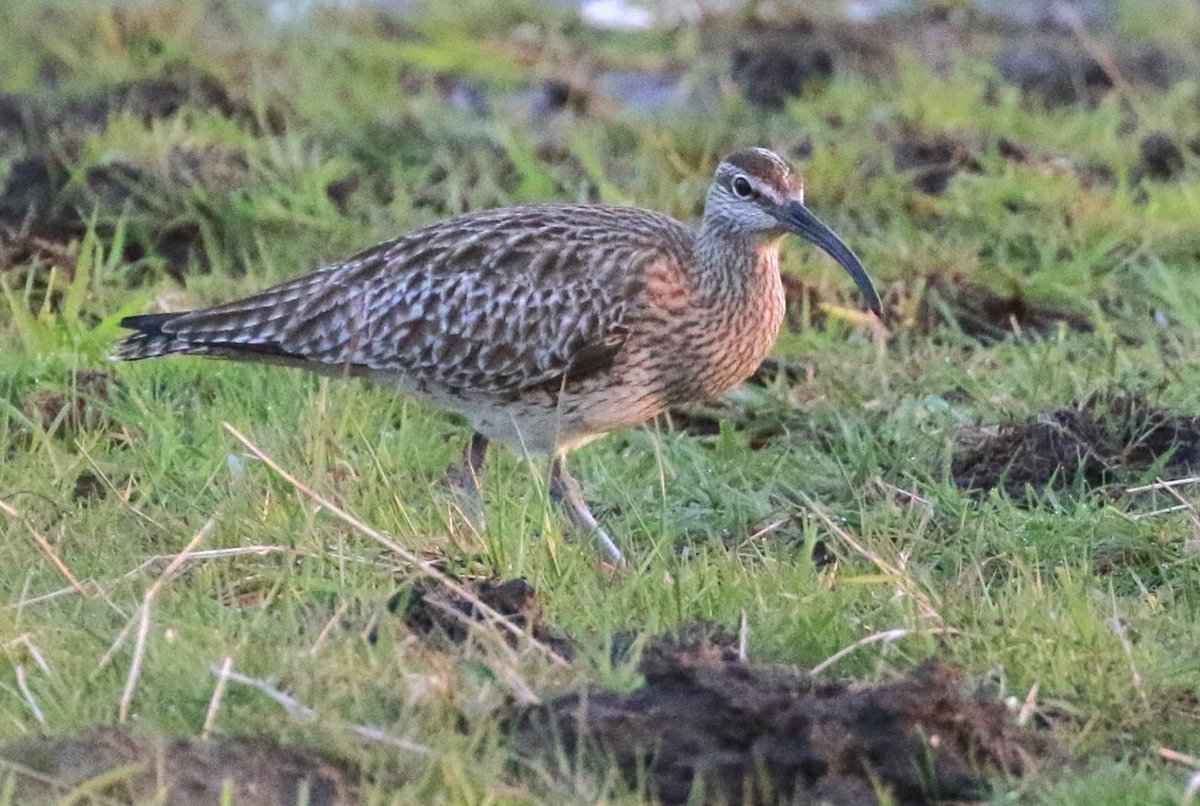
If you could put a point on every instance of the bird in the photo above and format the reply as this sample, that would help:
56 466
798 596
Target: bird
546 326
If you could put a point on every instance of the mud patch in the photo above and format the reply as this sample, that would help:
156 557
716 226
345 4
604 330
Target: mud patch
704 722
20 247
933 160
434 611
1056 71
775 60
43 208
1160 158
987 316
1059 71
88 487
1102 440
48 200
148 99
136 769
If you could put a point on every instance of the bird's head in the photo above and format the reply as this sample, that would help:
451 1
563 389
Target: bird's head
755 193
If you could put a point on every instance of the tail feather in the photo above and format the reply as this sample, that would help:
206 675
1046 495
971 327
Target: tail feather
248 329
149 340
154 337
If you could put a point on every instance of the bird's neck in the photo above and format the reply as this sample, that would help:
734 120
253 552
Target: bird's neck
735 312
734 269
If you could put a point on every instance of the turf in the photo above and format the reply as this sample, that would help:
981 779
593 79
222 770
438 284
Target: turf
817 506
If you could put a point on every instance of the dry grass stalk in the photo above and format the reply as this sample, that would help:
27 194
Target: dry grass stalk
1118 628
45 546
210 554
328 628
27 695
214 705
887 637
143 615
299 710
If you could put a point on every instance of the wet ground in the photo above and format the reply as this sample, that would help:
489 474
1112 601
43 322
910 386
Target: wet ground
704 722
114 765
1106 439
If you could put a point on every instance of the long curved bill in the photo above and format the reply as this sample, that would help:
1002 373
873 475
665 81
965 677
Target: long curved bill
796 217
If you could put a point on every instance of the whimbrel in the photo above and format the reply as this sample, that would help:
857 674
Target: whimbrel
546 326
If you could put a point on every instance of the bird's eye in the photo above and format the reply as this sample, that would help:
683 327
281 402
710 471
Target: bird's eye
742 187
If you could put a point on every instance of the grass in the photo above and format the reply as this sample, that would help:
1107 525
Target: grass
1070 596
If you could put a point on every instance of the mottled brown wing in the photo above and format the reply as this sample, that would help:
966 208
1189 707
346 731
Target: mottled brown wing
492 302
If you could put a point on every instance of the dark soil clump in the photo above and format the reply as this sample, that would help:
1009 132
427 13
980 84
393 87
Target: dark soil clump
47 202
433 610
1056 71
986 316
704 722
1161 158
147 99
933 160
42 210
1099 441
88 487
1060 71
773 61
769 76
181 771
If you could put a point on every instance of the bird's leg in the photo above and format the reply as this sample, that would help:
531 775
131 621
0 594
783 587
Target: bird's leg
464 477
473 461
565 492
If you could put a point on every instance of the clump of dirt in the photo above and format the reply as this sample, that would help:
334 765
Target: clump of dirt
47 202
1057 71
88 487
769 76
1100 440
148 99
704 719
934 160
42 208
987 316
561 95
1161 159
1012 150
20 247
1060 71
433 610
775 60
29 202
117 766
705 638
1094 173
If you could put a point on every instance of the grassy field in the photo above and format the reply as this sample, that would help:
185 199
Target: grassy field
959 477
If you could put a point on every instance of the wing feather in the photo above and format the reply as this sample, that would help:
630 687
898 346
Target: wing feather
493 302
